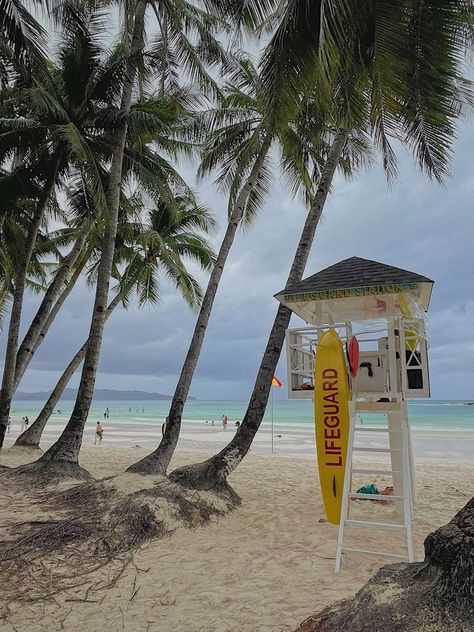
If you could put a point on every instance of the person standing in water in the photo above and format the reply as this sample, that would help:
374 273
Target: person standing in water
99 431
224 421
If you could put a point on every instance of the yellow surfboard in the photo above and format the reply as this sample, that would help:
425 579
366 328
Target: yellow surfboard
331 416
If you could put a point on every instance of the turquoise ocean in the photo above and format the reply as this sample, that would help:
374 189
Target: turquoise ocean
426 416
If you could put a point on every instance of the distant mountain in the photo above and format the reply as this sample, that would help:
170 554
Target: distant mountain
100 394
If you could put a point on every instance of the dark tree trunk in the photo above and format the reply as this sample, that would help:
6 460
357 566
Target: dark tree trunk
65 452
158 461
31 437
8 380
435 595
56 308
36 331
215 470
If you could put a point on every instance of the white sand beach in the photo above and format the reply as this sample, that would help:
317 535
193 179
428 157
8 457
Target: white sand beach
263 568
287 441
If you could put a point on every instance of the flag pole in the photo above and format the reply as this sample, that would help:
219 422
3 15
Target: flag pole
272 419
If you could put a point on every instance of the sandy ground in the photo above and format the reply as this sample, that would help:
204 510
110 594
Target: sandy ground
287 440
263 568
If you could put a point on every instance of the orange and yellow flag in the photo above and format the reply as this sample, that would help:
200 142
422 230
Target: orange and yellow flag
276 382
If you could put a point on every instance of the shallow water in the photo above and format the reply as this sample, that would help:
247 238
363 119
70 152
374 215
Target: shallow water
426 416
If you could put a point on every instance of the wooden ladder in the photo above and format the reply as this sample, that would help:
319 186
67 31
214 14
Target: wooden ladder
401 472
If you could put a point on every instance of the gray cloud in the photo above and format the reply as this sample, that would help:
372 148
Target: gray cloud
418 225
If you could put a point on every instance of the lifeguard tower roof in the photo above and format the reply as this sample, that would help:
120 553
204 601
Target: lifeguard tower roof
358 287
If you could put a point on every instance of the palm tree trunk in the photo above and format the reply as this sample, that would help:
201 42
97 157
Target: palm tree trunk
31 437
36 329
158 461
66 449
163 26
54 312
213 472
6 393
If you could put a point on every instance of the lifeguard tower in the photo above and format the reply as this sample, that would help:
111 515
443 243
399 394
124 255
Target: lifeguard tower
384 308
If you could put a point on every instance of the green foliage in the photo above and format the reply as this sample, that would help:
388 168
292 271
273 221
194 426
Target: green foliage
21 33
235 140
403 59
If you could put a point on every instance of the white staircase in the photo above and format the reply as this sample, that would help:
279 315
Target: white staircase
401 471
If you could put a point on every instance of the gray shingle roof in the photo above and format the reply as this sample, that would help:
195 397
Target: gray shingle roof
354 272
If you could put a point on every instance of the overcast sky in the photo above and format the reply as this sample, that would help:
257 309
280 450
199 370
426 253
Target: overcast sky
418 225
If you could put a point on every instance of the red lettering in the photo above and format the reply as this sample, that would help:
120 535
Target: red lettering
337 463
328 373
332 432
329 444
330 386
331 421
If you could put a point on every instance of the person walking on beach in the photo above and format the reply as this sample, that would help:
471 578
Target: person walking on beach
27 421
22 424
224 421
99 431
9 424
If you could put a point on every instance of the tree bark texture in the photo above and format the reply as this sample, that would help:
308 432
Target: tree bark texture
66 448
36 329
57 306
32 435
433 595
215 470
158 461
8 379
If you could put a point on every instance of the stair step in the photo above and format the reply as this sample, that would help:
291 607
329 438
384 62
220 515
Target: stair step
359 448
379 553
379 525
368 429
367 407
375 496
386 472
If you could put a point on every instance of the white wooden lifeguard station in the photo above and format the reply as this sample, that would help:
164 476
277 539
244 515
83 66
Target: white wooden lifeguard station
384 307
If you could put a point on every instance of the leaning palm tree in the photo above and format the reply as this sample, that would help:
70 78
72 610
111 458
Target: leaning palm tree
160 245
13 236
63 455
73 109
145 120
54 123
240 148
413 95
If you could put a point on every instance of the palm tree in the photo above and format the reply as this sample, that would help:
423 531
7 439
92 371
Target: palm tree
63 455
160 245
393 94
73 108
146 120
20 32
13 235
58 122
412 52
240 148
